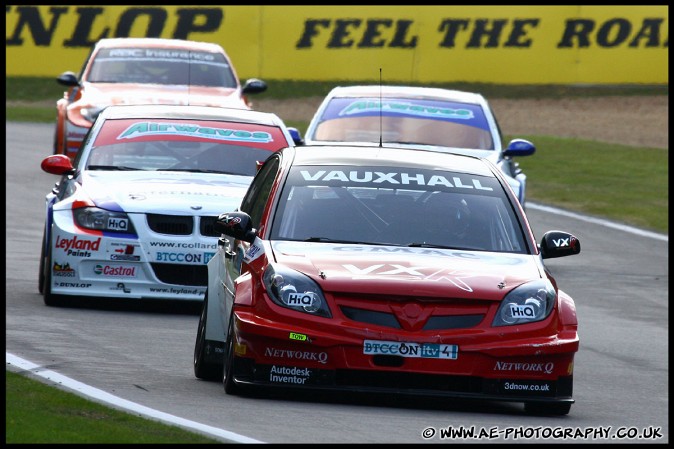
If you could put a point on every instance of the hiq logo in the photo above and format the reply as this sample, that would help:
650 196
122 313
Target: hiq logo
301 299
522 311
118 224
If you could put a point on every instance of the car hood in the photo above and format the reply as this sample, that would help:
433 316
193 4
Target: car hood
492 155
106 94
420 272
163 192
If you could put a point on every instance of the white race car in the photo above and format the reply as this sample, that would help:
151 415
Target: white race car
426 118
132 216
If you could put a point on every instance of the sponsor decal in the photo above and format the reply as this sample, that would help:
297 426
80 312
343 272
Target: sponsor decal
455 277
525 367
524 387
186 245
107 270
123 251
239 349
182 257
72 284
254 251
77 244
299 299
62 270
128 257
393 178
405 108
155 53
410 349
122 287
141 129
522 311
230 222
289 375
298 337
320 357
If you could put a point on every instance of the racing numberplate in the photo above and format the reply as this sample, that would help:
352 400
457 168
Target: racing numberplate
410 349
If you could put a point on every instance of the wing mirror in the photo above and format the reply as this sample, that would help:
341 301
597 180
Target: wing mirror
519 147
237 225
559 244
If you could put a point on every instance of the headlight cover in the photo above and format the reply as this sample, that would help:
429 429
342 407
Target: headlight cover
527 303
294 290
102 220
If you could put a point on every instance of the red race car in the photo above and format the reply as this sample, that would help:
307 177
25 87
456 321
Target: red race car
387 270
146 71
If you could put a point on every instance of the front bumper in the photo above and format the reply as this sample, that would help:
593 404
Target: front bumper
277 355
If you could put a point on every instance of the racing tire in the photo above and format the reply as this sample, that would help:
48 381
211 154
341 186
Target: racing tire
48 297
229 362
202 368
550 409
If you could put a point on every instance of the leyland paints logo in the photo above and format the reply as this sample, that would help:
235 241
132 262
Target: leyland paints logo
203 132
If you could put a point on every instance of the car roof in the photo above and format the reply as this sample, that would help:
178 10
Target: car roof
390 156
406 91
126 42
191 112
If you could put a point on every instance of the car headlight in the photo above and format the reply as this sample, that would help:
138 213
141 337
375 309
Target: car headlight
526 304
102 220
294 290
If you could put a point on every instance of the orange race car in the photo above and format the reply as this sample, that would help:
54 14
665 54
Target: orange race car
146 71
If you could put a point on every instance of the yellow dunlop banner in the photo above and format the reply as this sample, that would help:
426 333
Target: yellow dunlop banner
490 44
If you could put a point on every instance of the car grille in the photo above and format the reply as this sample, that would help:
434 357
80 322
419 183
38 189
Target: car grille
179 274
180 224
170 224
206 226
429 314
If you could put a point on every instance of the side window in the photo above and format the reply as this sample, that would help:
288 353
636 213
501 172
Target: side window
258 193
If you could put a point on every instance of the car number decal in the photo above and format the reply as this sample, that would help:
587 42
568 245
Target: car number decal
410 349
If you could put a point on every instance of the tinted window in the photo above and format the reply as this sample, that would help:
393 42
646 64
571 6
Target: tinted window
405 120
188 145
396 206
161 66
258 194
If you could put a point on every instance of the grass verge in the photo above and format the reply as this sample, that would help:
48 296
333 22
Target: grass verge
38 413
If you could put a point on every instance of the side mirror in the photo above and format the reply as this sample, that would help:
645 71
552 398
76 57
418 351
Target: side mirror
519 147
67 79
559 244
254 86
237 225
295 134
57 164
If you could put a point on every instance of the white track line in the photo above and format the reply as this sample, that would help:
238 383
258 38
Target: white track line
608 224
107 398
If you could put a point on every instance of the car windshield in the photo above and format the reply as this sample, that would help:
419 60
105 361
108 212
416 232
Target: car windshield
160 66
405 120
397 206
197 146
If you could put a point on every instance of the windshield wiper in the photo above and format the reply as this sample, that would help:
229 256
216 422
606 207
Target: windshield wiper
433 245
329 240
195 170
112 167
